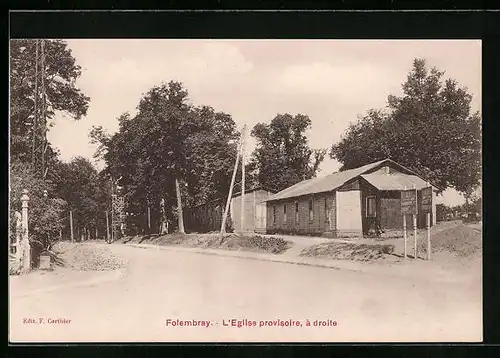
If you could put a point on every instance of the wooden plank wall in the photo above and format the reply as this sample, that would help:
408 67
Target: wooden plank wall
289 224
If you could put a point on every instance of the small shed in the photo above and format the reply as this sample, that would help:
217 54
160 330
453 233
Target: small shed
255 210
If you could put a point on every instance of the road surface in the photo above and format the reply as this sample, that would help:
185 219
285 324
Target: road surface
163 284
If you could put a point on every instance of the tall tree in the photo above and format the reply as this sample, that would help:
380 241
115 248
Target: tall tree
168 145
59 74
85 193
429 129
210 153
62 94
283 157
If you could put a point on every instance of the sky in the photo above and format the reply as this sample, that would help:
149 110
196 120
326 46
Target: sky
331 81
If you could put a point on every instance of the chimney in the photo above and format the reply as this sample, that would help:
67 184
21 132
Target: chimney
385 170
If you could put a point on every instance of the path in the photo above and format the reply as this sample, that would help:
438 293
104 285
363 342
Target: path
163 284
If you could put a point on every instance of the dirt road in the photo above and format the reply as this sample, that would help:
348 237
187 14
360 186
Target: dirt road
161 285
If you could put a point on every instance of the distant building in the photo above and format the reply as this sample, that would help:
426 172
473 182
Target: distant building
208 217
347 203
255 215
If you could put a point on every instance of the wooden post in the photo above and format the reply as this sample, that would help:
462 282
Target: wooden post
415 224
60 234
404 233
429 230
179 206
428 236
26 258
71 225
224 218
107 225
96 233
242 220
254 211
149 219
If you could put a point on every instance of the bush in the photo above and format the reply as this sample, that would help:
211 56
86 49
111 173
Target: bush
275 245
44 214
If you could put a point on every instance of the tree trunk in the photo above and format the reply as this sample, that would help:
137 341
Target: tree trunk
163 219
179 206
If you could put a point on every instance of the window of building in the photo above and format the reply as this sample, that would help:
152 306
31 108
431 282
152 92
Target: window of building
371 208
274 214
296 211
284 213
311 210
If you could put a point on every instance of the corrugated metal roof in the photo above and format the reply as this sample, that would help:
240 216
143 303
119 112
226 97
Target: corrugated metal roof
394 181
247 191
322 184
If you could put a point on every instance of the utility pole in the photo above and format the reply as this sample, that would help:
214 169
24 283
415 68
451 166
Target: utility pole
44 119
242 219
39 125
35 112
224 218
113 214
415 224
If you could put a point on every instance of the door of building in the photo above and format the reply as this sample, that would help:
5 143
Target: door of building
349 213
260 216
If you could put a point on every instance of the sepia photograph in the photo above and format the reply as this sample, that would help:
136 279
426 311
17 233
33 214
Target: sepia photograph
252 190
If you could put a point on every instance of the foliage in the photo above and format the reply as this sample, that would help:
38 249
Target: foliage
87 193
443 212
167 139
45 213
429 129
283 156
61 91
210 153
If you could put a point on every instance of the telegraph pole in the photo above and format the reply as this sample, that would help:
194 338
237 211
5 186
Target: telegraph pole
224 218
242 219
44 166
35 111
39 125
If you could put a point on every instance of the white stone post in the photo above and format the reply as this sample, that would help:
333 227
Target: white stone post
26 259
19 239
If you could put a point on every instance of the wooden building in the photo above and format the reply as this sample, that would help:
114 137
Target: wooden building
205 217
349 203
255 210
208 217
